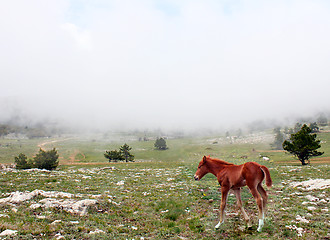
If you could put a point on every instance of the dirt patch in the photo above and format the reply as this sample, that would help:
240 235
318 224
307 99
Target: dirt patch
269 151
43 144
85 163
324 160
73 157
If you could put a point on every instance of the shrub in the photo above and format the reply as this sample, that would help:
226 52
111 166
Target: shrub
160 144
121 155
114 156
43 160
22 162
46 159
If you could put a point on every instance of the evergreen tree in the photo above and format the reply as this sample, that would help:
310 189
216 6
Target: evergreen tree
46 159
125 151
22 162
160 144
303 144
114 156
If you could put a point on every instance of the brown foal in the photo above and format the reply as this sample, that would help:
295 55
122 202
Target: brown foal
231 176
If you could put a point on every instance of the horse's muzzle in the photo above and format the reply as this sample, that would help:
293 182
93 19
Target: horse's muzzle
196 177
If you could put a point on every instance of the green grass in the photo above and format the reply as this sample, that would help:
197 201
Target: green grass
159 198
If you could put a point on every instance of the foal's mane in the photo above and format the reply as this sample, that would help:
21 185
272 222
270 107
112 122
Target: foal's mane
219 161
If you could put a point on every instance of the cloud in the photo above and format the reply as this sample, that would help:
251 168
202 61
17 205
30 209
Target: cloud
174 64
81 37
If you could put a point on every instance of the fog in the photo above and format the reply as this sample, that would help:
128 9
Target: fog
168 64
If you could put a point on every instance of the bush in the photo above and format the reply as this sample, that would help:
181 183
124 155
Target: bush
121 155
43 160
46 159
114 156
160 144
22 162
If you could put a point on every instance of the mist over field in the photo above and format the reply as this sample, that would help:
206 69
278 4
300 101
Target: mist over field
168 64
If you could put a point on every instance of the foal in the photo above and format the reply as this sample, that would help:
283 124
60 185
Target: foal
231 176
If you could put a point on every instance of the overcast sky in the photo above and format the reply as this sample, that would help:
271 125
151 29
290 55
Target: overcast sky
164 63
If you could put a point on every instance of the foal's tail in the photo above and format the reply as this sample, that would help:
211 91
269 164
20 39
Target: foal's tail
269 181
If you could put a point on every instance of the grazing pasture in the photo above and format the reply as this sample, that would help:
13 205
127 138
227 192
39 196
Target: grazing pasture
156 197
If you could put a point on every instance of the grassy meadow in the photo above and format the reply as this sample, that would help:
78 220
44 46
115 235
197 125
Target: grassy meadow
155 197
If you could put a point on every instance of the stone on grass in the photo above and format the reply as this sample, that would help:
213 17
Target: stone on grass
8 232
97 231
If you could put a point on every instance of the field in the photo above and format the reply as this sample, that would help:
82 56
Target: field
156 196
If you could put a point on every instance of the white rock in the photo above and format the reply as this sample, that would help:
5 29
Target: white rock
311 198
313 184
35 206
59 236
299 231
8 232
55 222
69 205
96 231
311 208
120 183
74 222
19 197
301 219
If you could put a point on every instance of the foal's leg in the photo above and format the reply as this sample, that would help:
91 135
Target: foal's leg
224 194
240 206
259 201
264 196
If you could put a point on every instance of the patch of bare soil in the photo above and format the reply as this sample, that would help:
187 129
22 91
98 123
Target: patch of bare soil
43 144
324 160
269 151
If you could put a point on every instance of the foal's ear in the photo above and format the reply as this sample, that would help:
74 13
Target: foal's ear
204 158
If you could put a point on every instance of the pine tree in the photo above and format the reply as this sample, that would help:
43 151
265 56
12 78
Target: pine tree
46 159
125 151
22 162
160 144
114 156
303 144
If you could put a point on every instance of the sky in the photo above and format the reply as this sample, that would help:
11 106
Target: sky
163 63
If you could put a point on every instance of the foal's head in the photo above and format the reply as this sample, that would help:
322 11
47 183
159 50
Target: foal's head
202 169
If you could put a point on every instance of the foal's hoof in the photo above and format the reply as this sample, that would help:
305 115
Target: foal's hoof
218 225
261 224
